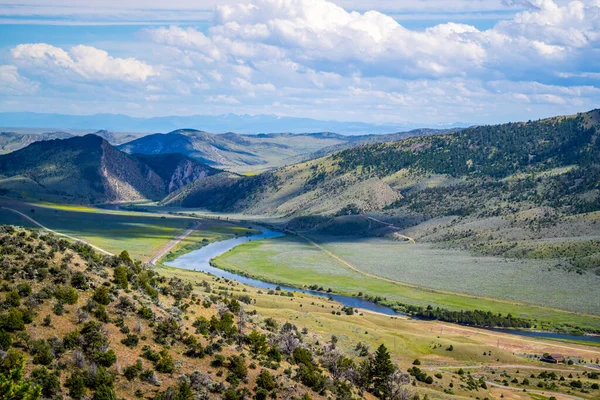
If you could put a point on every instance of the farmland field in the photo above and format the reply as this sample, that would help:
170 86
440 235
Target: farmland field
459 271
142 234
294 261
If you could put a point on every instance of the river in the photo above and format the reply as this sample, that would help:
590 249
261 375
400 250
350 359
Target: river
199 260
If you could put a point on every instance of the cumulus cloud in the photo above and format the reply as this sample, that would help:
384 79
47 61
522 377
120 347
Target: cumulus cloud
11 82
80 61
318 34
320 59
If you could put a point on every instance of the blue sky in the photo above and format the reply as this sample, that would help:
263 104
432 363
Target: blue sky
387 61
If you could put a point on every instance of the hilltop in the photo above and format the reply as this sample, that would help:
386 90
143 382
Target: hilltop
88 169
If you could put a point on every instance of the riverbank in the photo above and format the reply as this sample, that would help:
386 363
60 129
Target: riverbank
203 261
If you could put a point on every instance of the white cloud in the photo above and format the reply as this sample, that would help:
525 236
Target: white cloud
11 82
314 58
81 62
322 36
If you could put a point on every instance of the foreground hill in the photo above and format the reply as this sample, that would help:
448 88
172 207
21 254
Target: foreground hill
88 169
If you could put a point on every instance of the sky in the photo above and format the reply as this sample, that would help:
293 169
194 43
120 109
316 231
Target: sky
379 61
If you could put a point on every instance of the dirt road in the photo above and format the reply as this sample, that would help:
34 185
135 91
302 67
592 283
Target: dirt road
173 243
392 226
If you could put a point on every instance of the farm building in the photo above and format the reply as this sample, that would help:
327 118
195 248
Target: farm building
553 358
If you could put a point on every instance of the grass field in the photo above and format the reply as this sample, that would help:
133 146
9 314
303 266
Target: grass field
142 234
294 261
474 350
459 271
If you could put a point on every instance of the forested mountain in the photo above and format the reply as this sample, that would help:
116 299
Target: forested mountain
377 176
88 169
256 152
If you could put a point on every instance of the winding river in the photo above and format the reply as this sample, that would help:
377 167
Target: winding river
199 260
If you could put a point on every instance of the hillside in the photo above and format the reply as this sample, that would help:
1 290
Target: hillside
240 153
78 324
88 169
378 174
520 190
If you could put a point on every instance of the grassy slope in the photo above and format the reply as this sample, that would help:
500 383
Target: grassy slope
410 339
293 261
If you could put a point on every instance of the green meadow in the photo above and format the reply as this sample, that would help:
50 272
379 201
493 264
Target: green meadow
142 234
292 260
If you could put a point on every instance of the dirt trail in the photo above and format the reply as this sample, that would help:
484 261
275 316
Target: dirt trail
173 243
544 392
33 221
392 226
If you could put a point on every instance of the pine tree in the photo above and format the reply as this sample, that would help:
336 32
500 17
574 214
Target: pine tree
381 369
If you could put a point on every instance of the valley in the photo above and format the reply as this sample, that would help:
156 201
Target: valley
455 246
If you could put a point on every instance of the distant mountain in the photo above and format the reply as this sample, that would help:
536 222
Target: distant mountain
247 124
255 152
233 151
87 169
11 141
117 138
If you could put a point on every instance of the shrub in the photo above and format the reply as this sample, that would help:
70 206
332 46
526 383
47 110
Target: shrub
12 299
105 359
48 382
79 281
24 289
42 352
265 381
12 320
165 363
76 385
131 340
120 277
105 392
66 295
102 295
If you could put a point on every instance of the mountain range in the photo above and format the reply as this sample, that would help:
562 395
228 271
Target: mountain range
247 124
385 173
231 151
525 190
256 152
381 175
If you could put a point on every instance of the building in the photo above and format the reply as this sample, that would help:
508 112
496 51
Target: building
553 358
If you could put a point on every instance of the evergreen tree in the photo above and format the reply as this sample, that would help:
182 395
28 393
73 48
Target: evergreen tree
381 369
